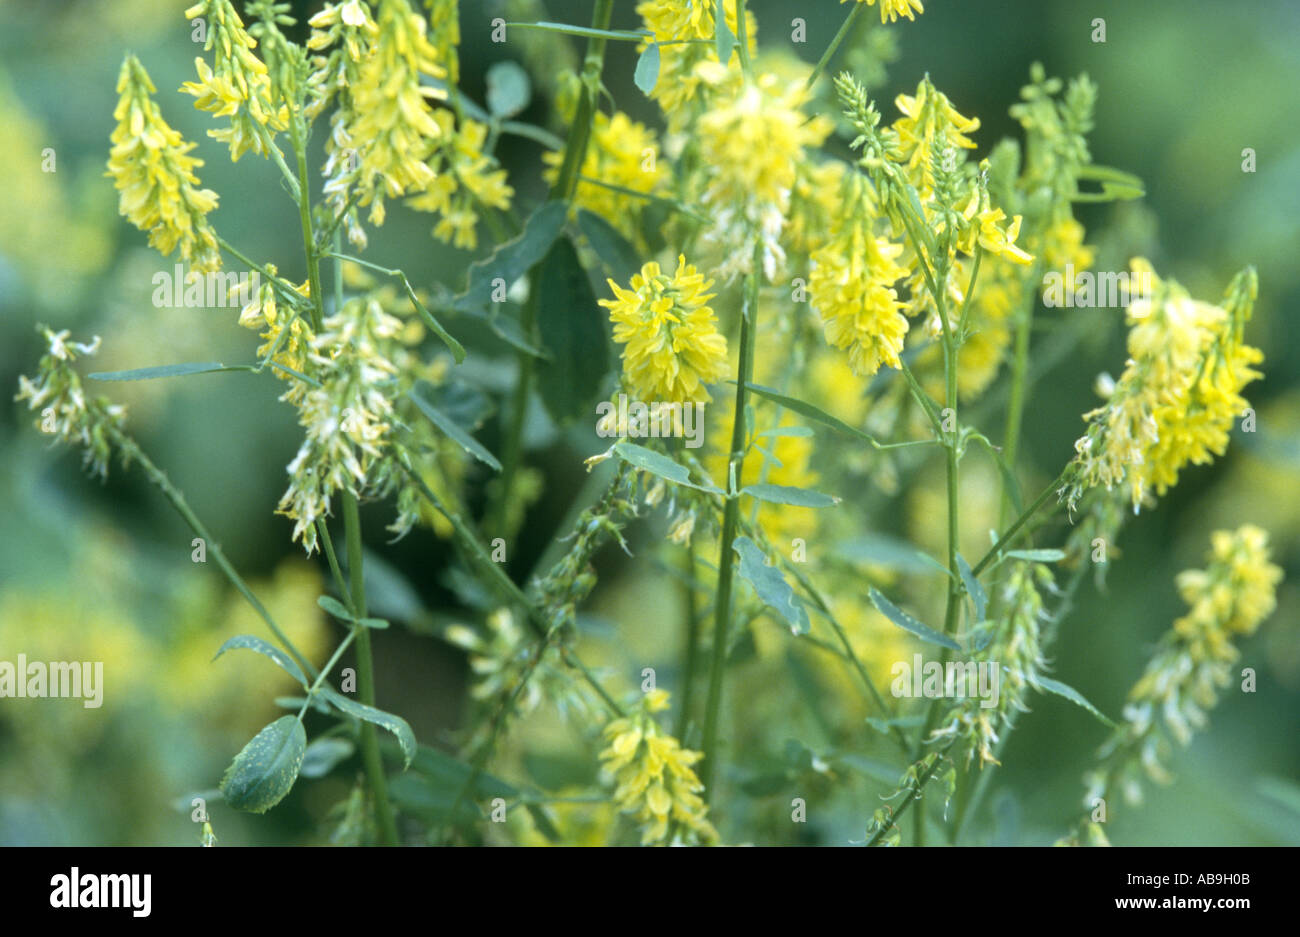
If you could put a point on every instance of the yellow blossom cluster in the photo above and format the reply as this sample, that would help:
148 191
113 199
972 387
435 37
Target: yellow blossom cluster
151 168
239 87
1227 600
673 346
624 153
1179 394
891 10
655 775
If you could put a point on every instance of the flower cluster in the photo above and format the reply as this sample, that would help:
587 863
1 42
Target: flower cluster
623 153
287 349
150 167
851 286
673 344
677 23
751 139
1015 647
655 776
347 418
1179 393
385 138
891 10
239 87
1227 600
66 412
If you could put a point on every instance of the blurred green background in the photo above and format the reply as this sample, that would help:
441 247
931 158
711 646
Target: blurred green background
103 571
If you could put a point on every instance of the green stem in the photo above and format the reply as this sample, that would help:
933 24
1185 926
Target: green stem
566 182
366 676
1019 371
730 518
691 654
496 578
835 44
1010 534
131 451
304 218
912 795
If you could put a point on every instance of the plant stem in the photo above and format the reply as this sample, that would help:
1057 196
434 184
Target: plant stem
691 654
366 676
304 218
835 44
1019 372
132 451
503 584
913 794
730 518
566 182
1005 539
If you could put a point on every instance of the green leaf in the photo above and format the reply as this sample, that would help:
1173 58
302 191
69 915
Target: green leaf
376 623
572 330
512 259
587 31
394 724
162 370
973 587
723 37
771 586
619 257
1115 184
784 494
658 464
335 608
646 75
1036 556
1073 695
266 649
323 756
451 428
883 726
876 549
910 624
264 771
508 89
816 414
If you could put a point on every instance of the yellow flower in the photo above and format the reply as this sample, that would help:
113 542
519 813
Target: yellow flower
1230 597
1179 394
263 312
150 168
240 87
466 179
66 412
891 10
622 152
751 142
673 344
982 227
655 775
668 20
851 287
393 130
929 118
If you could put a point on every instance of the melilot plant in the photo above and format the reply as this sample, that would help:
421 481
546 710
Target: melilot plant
850 296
